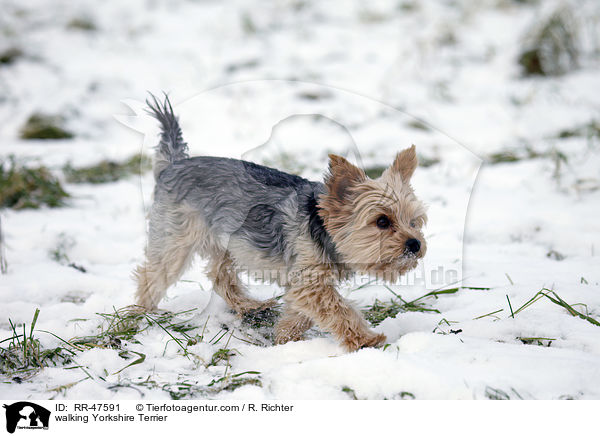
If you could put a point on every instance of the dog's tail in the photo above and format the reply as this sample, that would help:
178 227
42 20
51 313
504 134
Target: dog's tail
171 147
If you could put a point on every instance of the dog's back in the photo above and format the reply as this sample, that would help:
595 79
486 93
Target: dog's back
243 201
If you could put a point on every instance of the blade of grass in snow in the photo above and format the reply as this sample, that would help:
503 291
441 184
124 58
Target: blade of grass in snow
559 301
435 294
556 299
140 359
512 314
185 352
220 337
489 314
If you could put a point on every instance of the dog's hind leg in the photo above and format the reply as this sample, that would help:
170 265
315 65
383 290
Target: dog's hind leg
172 243
226 283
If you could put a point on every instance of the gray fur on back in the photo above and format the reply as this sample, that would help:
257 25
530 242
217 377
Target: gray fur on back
242 202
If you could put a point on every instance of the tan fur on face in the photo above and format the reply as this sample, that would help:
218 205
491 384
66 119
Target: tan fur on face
351 218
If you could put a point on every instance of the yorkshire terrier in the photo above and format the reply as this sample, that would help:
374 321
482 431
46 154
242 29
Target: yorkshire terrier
240 215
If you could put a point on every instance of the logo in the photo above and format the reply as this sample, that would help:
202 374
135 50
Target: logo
26 415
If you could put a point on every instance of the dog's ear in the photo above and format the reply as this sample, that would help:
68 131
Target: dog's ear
342 175
405 163
334 206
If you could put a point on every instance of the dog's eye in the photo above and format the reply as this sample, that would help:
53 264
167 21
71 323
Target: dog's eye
383 222
413 223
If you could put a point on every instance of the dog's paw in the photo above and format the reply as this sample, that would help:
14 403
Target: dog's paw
288 333
367 340
283 338
140 309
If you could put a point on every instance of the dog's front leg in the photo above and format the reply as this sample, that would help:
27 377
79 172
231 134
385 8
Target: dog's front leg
311 292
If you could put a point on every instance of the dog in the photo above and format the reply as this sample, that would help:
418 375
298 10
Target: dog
238 214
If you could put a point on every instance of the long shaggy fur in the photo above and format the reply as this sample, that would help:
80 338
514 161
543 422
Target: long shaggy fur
240 215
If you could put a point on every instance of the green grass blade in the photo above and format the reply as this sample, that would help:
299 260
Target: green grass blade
33 322
141 358
510 306
560 302
489 314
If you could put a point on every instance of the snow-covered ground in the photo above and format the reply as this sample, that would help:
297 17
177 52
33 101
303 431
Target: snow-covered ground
284 83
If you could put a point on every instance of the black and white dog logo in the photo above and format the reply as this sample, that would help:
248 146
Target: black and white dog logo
26 415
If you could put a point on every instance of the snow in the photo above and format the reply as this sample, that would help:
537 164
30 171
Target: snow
239 77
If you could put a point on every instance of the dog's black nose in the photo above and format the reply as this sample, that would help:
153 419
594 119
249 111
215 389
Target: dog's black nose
413 245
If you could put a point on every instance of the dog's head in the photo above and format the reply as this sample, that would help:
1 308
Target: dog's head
376 224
